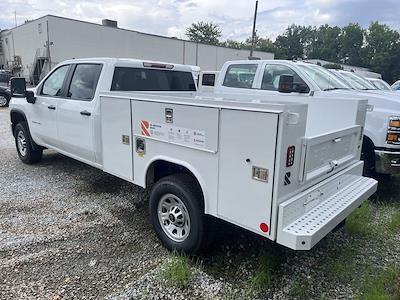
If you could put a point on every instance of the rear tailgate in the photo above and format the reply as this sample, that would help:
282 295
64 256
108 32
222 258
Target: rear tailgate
329 153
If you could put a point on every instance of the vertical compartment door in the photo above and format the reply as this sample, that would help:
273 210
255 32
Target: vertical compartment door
116 135
247 151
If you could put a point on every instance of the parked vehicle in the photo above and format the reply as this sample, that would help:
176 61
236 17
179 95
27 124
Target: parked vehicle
380 84
396 86
5 96
282 169
5 76
381 146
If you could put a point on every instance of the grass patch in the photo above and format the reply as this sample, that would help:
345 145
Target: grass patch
300 289
384 286
394 224
264 276
343 265
359 222
176 270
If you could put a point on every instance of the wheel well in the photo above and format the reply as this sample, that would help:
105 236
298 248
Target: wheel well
16 117
161 168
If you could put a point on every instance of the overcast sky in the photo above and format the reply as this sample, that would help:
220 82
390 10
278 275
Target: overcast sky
171 17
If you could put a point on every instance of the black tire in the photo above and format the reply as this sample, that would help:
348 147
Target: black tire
28 154
6 98
368 156
187 190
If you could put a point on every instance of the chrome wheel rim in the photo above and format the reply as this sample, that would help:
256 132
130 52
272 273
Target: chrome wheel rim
173 217
21 143
3 100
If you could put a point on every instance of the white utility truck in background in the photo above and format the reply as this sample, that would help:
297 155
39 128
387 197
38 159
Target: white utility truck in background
381 145
286 170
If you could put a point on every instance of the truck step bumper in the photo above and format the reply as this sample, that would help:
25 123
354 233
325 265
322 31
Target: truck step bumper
316 222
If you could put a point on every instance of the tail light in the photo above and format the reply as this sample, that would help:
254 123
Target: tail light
157 65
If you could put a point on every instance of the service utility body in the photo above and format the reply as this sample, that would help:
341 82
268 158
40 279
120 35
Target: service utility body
287 170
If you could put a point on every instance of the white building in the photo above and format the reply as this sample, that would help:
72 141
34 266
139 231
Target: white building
33 48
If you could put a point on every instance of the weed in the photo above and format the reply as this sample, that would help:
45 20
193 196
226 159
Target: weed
343 266
264 275
177 270
300 289
359 222
394 224
384 286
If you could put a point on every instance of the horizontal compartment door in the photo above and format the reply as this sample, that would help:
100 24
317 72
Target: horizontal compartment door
330 152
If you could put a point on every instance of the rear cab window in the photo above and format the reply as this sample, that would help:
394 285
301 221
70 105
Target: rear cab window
208 80
240 76
142 79
84 81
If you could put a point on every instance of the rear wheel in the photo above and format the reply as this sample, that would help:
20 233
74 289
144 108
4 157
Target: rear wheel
23 143
177 213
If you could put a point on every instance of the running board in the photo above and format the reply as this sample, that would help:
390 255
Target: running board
321 209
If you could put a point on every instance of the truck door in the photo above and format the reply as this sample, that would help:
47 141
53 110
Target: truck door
76 112
43 114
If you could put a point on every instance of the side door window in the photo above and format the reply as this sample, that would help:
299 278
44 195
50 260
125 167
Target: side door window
272 76
54 83
84 82
240 76
208 80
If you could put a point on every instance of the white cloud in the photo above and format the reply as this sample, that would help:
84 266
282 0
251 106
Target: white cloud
171 17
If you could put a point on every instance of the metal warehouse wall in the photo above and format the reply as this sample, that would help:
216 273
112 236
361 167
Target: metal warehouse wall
76 39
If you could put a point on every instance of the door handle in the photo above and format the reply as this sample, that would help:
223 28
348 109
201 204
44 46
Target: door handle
85 113
52 107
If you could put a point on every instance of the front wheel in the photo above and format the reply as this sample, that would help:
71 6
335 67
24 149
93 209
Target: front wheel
177 213
23 143
4 100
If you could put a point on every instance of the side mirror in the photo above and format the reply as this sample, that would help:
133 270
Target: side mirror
30 97
286 84
17 86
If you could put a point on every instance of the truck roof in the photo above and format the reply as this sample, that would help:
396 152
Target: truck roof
128 62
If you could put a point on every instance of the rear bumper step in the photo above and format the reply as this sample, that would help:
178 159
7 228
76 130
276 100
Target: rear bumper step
342 196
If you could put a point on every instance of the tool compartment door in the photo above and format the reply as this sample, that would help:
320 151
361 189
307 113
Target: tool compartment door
247 141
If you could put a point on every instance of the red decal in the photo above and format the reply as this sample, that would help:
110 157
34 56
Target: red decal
144 125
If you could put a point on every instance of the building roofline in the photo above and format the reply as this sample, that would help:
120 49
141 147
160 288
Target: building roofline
130 30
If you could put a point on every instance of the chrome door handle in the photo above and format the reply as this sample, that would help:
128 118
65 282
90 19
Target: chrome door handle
52 107
85 113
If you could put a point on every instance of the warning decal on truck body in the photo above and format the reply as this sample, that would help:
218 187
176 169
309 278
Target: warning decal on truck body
174 134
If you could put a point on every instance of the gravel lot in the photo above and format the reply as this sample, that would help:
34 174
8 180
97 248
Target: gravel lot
69 231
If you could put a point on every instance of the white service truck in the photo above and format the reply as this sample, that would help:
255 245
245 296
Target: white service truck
381 145
285 170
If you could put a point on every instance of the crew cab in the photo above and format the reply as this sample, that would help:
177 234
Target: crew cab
277 168
381 145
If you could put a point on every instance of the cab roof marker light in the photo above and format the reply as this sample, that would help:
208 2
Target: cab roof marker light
157 65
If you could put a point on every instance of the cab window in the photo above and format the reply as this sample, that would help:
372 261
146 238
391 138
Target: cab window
272 75
240 76
208 80
84 82
54 83
142 79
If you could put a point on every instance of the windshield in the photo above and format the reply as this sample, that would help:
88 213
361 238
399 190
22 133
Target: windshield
380 84
325 80
357 82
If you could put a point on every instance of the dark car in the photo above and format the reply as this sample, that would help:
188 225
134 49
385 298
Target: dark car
5 96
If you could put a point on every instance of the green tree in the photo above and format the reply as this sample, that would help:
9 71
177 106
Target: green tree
294 42
326 44
203 32
261 44
352 41
382 48
233 44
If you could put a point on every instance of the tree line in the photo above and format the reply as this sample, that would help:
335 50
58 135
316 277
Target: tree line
376 48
